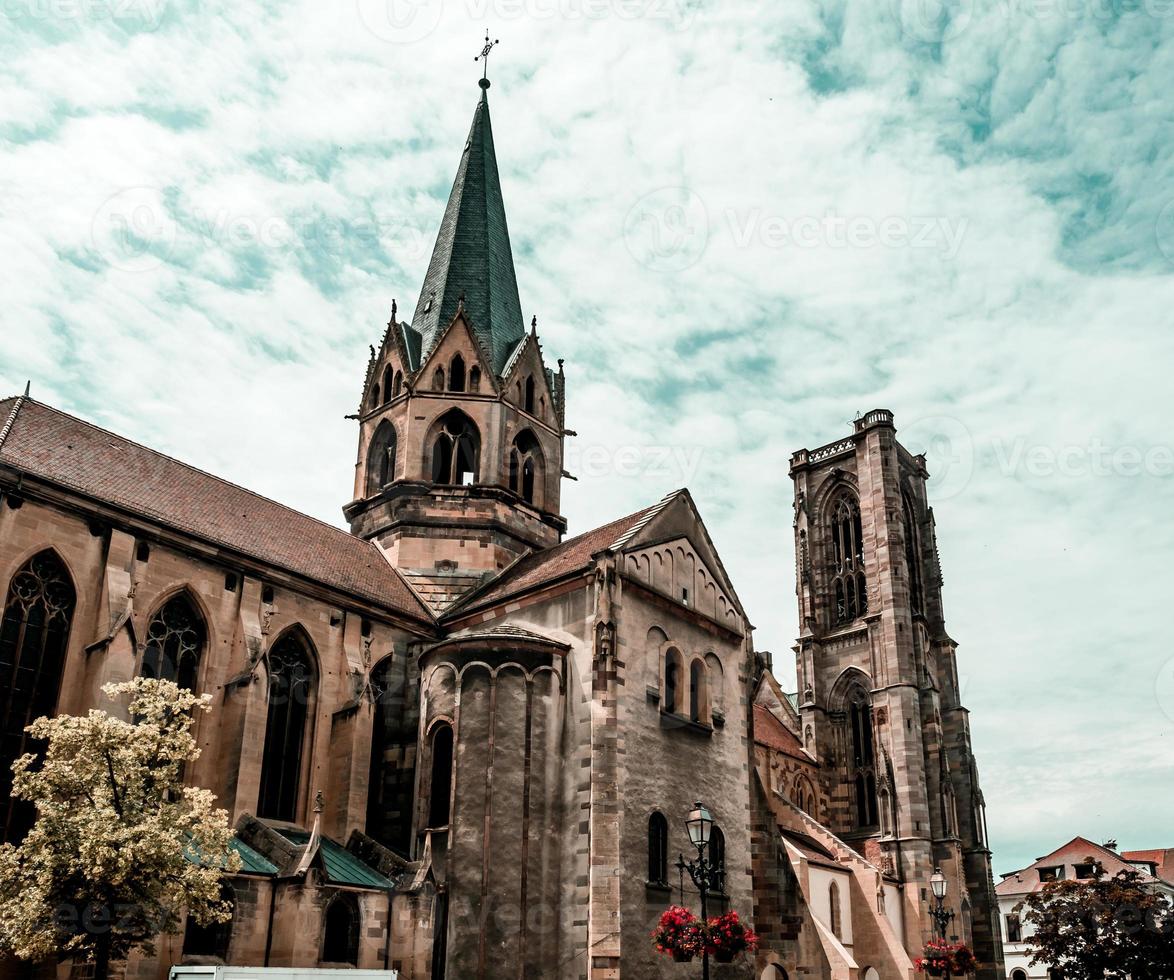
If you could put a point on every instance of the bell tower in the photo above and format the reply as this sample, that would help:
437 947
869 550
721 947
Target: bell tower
461 423
879 697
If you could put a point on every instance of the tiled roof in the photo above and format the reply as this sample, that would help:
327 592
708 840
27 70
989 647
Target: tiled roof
542 567
1076 851
1162 858
772 733
472 256
59 448
341 866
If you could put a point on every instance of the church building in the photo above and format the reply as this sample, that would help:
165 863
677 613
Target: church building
458 743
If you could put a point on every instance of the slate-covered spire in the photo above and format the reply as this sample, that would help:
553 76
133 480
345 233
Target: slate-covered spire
472 256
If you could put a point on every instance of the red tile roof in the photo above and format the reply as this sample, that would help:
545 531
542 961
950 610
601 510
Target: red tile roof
1162 858
772 733
59 448
543 567
1076 851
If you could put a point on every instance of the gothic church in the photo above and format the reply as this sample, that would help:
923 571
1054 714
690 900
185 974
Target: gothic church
455 742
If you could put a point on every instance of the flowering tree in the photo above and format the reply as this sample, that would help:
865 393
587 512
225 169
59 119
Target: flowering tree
120 846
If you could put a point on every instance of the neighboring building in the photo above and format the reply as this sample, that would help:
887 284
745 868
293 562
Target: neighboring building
454 743
1075 861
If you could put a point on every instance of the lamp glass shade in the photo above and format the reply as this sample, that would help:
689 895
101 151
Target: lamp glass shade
700 822
937 884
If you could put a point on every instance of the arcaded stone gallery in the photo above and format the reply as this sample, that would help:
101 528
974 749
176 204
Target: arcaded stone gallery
455 742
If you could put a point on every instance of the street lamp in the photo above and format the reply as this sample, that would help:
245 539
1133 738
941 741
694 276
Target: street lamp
941 915
699 824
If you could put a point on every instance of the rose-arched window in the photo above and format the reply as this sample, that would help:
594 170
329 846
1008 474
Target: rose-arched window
291 692
175 643
33 637
847 547
456 447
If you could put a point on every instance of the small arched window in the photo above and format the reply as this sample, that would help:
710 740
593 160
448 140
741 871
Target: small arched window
438 379
381 457
376 397
848 582
658 849
340 932
212 938
33 638
397 384
717 859
456 447
440 784
291 691
175 642
1018 975
456 373
834 909
387 383
528 404
474 378
697 691
673 667
525 468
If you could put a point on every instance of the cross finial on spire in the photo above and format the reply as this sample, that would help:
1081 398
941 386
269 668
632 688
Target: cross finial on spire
483 57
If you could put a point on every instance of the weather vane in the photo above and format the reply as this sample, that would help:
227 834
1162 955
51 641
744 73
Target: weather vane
483 57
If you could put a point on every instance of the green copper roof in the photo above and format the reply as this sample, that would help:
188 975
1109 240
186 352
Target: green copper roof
472 255
341 866
252 862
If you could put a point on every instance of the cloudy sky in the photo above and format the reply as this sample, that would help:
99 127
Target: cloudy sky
740 225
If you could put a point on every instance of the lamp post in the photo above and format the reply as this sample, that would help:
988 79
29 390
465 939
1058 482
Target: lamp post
699 824
941 915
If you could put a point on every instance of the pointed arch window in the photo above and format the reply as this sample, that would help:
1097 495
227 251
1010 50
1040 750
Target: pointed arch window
834 911
397 384
291 693
438 379
456 447
175 642
528 404
658 849
913 556
440 783
525 468
212 938
376 399
387 383
848 582
381 457
474 378
456 373
34 633
340 932
863 767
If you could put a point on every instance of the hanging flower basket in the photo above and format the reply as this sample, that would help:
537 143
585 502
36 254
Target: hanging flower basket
726 938
940 959
679 934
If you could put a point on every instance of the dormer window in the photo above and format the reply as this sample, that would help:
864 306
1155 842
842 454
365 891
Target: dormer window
1051 874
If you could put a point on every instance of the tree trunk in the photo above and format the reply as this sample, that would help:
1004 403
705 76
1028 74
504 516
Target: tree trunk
102 959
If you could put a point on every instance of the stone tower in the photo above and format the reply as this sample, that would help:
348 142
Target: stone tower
461 422
878 679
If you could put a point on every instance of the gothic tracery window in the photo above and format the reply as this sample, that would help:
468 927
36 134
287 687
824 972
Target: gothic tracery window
455 450
863 770
33 637
291 691
381 457
525 467
175 642
848 583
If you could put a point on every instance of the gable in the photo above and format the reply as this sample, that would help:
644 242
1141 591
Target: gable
457 339
526 362
673 554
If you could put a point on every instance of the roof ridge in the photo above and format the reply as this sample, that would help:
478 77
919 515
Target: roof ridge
193 468
18 401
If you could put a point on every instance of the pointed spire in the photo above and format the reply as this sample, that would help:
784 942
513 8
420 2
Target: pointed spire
472 255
